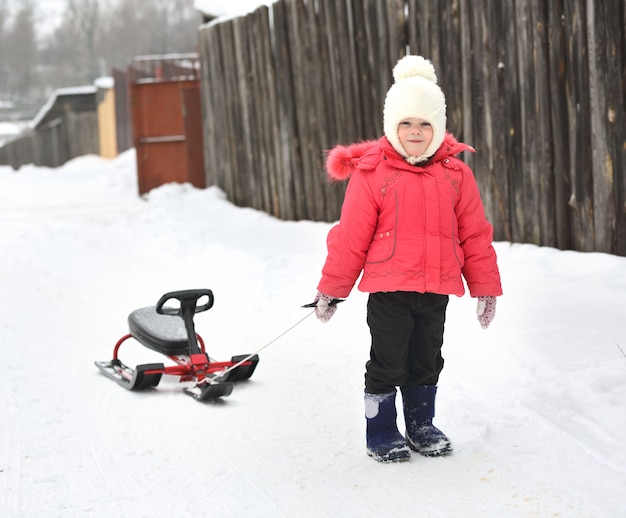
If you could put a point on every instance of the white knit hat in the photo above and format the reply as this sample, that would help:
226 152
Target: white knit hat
415 94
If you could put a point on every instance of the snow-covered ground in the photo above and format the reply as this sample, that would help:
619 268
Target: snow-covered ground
535 405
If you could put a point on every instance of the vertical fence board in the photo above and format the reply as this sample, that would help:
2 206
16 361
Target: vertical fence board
451 61
618 127
245 135
529 205
480 126
559 125
264 163
207 88
316 61
304 119
370 99
288 135
500 164
543 179
416 27
607 120
580 161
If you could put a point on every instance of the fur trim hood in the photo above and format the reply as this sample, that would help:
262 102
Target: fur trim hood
341 161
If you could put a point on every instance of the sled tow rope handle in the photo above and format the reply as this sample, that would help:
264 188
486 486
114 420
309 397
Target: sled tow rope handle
232 367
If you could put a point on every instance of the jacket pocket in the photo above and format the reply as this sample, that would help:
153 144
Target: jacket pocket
458 252
382 248
459 255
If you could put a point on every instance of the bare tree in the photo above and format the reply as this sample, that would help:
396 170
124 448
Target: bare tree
62 56
94 37
84 16
21 49
4 73
137 27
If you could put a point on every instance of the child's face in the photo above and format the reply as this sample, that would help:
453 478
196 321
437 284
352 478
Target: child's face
415 135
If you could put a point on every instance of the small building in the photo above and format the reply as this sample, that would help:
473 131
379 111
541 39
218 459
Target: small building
66 126
107 130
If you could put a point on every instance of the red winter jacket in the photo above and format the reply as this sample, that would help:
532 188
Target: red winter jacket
408 228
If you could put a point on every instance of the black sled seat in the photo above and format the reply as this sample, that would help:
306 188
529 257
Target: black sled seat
165 334
169 330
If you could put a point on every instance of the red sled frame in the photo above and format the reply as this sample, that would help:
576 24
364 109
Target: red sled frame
158 329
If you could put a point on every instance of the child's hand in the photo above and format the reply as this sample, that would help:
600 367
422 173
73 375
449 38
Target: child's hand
325 308
486 310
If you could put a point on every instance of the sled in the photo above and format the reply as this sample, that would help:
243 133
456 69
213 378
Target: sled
169 330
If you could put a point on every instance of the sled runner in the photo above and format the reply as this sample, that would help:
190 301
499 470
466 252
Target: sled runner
170 331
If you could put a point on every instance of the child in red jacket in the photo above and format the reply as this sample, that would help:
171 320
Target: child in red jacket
413 224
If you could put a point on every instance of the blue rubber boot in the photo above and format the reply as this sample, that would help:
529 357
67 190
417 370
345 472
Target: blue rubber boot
419 410
384 441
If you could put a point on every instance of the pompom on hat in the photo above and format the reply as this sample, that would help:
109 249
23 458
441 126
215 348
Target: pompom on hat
415 93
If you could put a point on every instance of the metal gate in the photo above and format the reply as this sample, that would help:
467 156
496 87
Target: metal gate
167 120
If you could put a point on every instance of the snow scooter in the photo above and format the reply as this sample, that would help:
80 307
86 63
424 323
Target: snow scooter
170 331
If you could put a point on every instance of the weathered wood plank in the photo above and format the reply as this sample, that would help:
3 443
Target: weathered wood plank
607 119
559 126
542 171
579 114
286 111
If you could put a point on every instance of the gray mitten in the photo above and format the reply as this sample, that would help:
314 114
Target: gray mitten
324 310
486 310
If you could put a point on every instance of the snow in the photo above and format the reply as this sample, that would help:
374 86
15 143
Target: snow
11 129
535 405
223 8
104 82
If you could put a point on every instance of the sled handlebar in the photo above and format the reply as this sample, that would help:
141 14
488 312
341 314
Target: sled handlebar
188 300
333 302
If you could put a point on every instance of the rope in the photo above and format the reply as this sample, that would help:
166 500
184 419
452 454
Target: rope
232 367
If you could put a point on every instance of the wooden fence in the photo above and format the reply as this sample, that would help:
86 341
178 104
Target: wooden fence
54 143
18 151
538 87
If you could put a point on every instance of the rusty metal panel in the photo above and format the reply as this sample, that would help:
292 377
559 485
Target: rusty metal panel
166 152
167 125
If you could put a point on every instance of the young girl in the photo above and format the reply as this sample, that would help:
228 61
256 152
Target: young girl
413 224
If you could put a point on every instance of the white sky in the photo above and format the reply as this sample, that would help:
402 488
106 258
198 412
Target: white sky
49 12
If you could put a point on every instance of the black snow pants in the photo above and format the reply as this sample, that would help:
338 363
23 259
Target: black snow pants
407 336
